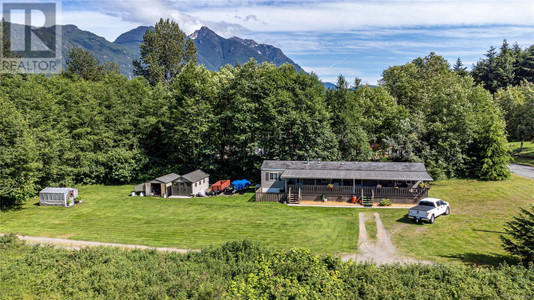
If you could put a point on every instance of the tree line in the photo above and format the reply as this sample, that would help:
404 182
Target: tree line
92 125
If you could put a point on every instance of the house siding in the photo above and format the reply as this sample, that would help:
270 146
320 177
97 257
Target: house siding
272 186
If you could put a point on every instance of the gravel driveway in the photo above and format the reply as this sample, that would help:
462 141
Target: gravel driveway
522 170
378 252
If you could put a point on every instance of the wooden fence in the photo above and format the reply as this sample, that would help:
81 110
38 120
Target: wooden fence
269 197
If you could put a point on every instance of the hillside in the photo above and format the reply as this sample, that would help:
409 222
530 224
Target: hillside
214 51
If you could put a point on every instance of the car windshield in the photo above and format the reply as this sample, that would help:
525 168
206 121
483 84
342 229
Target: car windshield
427 203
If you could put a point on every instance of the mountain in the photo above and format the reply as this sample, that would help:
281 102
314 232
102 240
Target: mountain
132 39
214 51
72 36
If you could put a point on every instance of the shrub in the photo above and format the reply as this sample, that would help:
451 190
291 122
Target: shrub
522 231
385 202
238 270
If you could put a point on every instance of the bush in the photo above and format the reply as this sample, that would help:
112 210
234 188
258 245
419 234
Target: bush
385 202
239 270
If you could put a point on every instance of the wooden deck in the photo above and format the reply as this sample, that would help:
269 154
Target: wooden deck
344 193
340 194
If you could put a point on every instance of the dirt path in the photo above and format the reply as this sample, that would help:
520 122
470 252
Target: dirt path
379 252
76 245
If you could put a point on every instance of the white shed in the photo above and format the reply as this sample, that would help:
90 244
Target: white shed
55 196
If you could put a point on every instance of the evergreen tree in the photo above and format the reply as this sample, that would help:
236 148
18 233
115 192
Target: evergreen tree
346 118
521 230
164 52
459 68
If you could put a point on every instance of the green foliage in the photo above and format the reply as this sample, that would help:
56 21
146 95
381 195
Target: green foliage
164 52
449 121
19 163
96 126
81 63
385 202
521 230
5 41
239 270
517 104
505 68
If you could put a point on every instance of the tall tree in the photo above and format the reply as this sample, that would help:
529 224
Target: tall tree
517 104
19 162
164 52
5 40
346 120
83 64
459 68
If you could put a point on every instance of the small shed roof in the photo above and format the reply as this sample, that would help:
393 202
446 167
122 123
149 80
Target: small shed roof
168 178
193 176
56 190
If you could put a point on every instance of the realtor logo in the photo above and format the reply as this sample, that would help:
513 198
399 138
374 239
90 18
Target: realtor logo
31 41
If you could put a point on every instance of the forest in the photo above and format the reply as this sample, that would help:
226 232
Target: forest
92 125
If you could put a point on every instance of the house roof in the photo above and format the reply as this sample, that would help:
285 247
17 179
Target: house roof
349 170
168 178
193 176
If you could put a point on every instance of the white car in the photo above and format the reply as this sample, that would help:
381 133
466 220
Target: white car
429 209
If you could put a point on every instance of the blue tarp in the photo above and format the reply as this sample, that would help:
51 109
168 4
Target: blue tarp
240 184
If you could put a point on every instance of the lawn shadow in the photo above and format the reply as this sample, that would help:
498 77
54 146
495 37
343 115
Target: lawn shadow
479 259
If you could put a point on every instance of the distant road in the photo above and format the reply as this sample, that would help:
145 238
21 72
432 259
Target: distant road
522 170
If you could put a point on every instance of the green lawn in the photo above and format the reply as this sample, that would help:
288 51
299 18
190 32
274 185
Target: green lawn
526 157
109 214
470 234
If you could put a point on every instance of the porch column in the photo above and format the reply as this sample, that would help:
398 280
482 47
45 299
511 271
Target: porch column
354 186
285 183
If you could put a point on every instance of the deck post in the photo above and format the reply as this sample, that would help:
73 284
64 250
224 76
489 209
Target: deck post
353 186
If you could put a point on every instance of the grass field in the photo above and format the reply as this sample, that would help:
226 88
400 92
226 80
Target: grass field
526 157
470 234
108 214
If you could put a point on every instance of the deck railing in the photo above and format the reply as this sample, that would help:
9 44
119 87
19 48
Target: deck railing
367 191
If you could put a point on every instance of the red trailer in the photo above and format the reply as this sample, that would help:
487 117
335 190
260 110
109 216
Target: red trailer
220 185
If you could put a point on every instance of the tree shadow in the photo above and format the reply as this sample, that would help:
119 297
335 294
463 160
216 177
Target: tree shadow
12 207
479 259
490 231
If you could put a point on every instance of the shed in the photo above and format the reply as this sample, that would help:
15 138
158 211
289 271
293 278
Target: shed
57 196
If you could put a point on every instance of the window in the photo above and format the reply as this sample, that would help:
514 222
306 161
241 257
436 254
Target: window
273 176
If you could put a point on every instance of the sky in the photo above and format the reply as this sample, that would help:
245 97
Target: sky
330 37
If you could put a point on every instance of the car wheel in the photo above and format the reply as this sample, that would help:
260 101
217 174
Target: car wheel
448 211
431 220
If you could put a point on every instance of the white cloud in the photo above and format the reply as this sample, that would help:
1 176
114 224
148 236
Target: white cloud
149 12
341 15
